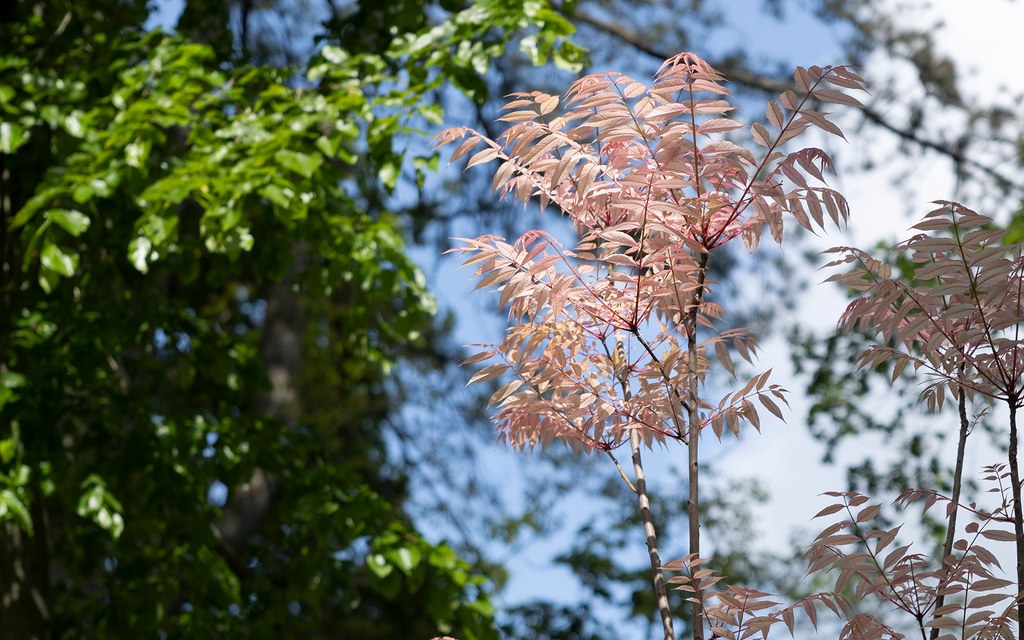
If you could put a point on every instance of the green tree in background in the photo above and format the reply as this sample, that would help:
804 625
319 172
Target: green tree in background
201 301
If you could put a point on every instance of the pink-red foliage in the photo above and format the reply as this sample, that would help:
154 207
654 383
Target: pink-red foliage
599 342
958 317
611 340
866 559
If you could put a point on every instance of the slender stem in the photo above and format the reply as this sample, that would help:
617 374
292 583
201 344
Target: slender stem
958 473
622 472
640 489
693 513
693 442
652 538
1018 509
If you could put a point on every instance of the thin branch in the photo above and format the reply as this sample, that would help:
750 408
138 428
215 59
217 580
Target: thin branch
618 467
1018 509
640 489
947 547
57 33
652 540
693 444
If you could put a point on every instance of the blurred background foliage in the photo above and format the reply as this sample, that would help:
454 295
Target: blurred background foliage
226 391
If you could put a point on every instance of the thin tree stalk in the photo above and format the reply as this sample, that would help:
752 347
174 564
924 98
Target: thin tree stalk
622 472
1018 509
652 539
958 473
693 511
693 444
618 361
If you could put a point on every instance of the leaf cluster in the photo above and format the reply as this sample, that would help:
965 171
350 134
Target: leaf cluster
652 188
957 317
875 564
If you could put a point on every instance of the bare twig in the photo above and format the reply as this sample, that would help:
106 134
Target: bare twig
958 473
622 472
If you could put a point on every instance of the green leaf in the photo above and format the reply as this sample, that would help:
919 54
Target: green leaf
12 508
57 260
97 187
432 113
334 55
70 220
137 152
48 280
388 174
281 196
7 450
529 46
139 251
326 145
73 124
303 164
570 57
100 506
405 558
379 565
12 136
11 379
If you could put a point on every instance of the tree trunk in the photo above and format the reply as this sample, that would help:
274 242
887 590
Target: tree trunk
1018 511
651 537
958 474
281 353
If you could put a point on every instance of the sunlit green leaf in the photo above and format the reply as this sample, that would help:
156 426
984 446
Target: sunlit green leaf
12 508
139 251
334 55
12 136
58 260
72 221
304 164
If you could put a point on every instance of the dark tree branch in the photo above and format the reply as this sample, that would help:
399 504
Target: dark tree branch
768 84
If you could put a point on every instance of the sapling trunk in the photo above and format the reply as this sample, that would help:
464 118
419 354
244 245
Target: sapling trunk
652 539
958 474
693 443
640 489
1018 511
692 509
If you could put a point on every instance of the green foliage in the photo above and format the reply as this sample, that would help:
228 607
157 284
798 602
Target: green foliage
166 214
461 49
